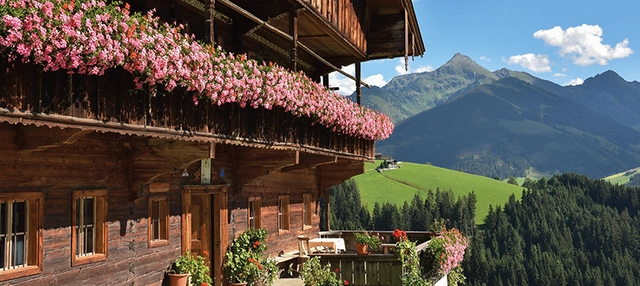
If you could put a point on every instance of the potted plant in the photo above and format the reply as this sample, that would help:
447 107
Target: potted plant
366 242
189 270
244 262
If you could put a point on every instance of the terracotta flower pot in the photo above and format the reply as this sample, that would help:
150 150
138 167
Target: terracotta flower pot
178 279
238 284
362 249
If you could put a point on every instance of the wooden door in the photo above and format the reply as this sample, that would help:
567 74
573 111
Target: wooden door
201 222
204 226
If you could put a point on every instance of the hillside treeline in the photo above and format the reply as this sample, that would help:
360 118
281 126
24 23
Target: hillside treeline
348 213
568 230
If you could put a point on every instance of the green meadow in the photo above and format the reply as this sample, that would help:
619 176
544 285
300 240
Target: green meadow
623 178
400 185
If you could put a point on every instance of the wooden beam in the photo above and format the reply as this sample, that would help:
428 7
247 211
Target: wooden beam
293 32
332 174
32 142
252 163
358 79
212 150
406 40
310 161
209 25
286 36
152 158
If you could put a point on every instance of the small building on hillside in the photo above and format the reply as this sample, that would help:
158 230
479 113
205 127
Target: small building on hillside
126 142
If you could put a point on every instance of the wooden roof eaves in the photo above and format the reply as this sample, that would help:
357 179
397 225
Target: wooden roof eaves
60 121
333 31
413 22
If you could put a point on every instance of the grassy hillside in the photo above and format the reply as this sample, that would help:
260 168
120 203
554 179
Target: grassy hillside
623 178
397 186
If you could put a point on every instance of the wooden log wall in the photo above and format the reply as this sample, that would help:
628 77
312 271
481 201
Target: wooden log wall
268 188
58 161
345 15
32 159
112 98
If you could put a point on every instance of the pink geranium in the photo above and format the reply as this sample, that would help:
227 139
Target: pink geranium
91 36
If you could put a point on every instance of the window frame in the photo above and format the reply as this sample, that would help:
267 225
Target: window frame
34 234
100 228
283 214
163 221
307 213
256 204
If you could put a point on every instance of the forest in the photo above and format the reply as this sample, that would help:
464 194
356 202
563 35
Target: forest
348 213
567 230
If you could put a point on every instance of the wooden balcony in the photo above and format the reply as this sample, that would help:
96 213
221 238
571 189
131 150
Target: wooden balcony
379 268
110 103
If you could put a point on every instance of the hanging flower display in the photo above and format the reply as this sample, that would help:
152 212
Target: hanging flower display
91 36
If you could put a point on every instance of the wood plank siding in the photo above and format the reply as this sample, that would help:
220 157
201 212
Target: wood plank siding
36 159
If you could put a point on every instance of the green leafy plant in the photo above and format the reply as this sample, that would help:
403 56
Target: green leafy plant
372 241
195 266
406 252
315 274
245 262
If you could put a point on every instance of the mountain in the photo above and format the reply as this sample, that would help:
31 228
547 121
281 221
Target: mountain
610 95
509 126
410 94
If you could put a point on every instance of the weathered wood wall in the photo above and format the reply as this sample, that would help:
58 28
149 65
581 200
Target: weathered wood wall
58 161
95 161
269 187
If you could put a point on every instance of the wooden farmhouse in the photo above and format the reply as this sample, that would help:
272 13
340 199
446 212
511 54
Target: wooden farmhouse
125 141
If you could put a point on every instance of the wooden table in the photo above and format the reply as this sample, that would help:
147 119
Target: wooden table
337 244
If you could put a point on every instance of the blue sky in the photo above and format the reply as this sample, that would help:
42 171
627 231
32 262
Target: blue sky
564 41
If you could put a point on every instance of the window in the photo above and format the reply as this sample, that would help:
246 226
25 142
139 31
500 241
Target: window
89 228
283 213
21 225
158 221
253 212
306 211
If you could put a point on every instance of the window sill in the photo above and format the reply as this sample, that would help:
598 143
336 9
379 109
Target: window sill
158 243
19 272
88 259
283 231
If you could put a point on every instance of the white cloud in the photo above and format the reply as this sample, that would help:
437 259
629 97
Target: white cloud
376 79
347 86
483 58
575 81
535 63
559 74
583 44
400 68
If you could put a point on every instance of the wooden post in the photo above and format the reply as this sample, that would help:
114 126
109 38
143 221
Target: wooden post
325 80
293 32
406 40
209 15
358 81
327 209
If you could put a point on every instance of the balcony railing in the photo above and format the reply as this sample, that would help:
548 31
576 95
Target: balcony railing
111 101
379 268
